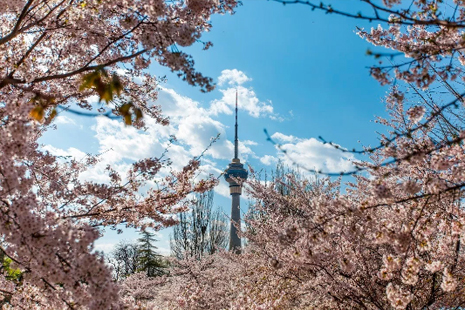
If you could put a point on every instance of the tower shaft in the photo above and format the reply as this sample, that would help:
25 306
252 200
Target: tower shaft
235 243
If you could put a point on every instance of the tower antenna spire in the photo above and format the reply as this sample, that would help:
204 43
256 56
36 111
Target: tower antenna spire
236 141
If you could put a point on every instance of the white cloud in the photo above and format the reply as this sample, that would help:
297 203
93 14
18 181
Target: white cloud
282 137
125 142
63 119
313 154
104 247
223 189
247 101
70 152
97 172
249 142
232 77
208 167
277 118
193 125
197 132
268 160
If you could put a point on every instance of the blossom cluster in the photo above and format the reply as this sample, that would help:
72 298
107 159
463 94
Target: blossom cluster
390 238
59 54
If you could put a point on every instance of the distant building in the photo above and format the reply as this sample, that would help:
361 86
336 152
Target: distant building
235 171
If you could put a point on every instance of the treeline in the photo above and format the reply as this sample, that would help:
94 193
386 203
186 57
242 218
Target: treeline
202 230
139 256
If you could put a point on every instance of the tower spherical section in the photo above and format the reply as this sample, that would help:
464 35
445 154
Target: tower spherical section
235 172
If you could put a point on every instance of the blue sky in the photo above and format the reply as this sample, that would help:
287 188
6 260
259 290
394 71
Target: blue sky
300 74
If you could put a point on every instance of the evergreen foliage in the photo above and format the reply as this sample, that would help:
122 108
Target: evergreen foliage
150 261
129 258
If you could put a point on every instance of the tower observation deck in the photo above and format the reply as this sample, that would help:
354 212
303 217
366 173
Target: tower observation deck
235 172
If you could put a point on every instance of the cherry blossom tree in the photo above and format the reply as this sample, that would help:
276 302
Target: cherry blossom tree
427 32
56 55
392 240
392 237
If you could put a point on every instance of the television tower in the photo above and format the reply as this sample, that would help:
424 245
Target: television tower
235 171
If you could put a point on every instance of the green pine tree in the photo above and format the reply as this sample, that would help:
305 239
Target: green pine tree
150 261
